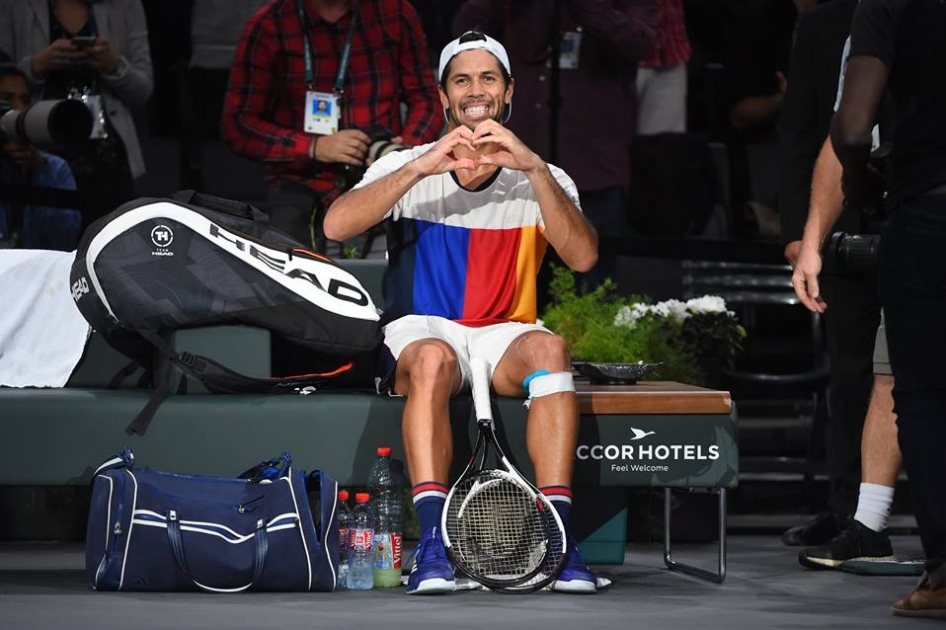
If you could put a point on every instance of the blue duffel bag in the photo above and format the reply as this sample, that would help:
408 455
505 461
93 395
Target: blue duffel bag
271 529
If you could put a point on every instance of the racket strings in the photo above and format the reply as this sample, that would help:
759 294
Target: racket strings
497 530
549 563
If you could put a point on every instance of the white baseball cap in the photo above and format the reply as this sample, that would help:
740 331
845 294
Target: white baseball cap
473 40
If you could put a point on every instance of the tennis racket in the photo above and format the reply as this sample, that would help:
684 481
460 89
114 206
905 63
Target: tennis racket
497 527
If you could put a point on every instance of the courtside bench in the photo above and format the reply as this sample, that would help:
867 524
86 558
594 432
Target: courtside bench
655 434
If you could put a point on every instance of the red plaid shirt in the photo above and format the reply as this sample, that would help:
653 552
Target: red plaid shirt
673 46
265 101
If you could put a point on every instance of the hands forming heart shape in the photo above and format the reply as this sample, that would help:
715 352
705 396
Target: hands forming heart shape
489 144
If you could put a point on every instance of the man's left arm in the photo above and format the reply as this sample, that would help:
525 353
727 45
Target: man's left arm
566 228
418 89
628 26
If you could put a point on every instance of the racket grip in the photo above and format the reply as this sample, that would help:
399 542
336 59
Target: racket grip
480 377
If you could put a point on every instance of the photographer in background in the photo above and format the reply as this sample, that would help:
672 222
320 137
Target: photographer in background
364 59
23 165
900 43
95 51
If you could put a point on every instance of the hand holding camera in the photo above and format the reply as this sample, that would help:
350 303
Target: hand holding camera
348 146
354 150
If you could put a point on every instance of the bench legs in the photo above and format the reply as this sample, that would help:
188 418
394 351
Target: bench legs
689 569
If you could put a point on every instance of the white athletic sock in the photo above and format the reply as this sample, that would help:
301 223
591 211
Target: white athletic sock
873 505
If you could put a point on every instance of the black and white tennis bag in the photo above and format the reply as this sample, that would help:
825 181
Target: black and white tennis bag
159 265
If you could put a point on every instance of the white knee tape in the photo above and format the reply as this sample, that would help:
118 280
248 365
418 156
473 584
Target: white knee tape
548 384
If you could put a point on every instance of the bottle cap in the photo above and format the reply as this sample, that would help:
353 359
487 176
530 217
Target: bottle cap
384 451
362 497
343 495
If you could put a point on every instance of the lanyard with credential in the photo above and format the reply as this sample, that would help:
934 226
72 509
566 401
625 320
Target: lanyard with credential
339 88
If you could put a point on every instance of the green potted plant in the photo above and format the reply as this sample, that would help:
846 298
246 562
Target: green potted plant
692 340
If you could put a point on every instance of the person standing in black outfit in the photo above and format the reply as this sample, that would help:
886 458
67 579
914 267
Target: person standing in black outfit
851 322
900 44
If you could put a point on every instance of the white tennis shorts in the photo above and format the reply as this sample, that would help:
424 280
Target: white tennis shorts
489 342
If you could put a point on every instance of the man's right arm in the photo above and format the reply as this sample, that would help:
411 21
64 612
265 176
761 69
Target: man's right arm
826 206
361 208
367 204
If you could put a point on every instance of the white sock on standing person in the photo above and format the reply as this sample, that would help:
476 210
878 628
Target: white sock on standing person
873 505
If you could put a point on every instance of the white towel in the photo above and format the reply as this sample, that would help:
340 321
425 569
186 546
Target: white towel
42 333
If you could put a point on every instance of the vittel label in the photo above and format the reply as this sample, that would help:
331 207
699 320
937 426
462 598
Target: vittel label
396 544
360 539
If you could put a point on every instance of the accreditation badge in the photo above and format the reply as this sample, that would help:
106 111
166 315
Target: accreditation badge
321 112
568 55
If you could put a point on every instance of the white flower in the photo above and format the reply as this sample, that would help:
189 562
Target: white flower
626 317
677 310
623 317
707 304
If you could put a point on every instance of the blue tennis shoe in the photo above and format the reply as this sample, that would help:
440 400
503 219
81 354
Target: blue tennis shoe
575 576
432 573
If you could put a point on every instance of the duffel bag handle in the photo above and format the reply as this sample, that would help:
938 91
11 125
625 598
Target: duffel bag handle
220 204
268 470
124 459
177 546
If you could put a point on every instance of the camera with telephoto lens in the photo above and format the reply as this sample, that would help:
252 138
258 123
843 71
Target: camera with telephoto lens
46 123
855 253
851 253
379 144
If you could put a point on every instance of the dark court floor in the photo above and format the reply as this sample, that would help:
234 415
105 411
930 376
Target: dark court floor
42 586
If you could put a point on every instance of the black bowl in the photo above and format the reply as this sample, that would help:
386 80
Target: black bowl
624 373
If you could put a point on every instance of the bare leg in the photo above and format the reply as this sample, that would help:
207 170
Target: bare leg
880 452
552 431
428 374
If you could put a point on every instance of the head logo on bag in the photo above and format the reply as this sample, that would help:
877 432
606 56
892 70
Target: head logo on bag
162 236
158 265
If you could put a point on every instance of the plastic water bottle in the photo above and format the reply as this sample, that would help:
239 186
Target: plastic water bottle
361 545
344 517
383 483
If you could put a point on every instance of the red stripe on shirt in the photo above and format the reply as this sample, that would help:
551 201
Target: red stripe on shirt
491 274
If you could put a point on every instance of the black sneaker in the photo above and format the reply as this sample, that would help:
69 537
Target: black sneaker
856 542
820 530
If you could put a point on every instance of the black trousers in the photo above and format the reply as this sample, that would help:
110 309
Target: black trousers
851 323
913 288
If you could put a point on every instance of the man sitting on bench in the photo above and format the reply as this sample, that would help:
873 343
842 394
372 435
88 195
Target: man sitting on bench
470 218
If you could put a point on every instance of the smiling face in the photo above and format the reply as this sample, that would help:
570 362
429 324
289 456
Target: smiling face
474 89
